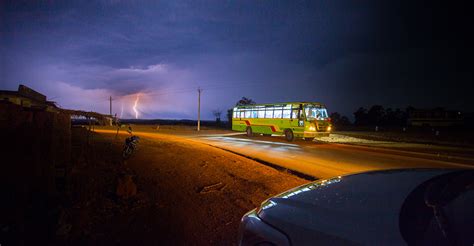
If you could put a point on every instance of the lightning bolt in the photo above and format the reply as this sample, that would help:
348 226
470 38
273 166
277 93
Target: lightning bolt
135 106
121 112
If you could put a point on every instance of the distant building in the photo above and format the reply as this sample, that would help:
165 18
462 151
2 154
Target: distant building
28 98
435 117
32 100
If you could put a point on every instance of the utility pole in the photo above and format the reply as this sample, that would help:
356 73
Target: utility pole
110 99
199 109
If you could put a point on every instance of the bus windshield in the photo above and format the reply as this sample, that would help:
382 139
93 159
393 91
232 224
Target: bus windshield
315 112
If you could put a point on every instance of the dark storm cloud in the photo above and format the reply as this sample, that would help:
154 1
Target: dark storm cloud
344 53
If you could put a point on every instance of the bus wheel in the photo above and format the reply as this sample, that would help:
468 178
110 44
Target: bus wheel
289 135
249 131
309 139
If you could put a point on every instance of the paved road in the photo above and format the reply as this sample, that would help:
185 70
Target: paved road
319 160
323 160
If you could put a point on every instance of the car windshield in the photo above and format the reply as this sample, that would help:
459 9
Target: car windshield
315 112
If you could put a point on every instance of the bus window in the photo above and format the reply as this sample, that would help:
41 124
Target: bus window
287 111
295 114
277 114
313 112
269 113
247 114
253 114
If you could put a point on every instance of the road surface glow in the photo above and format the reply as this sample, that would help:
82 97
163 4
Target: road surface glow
235 140
322 160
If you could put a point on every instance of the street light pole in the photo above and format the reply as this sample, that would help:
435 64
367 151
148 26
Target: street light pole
199 109
110 98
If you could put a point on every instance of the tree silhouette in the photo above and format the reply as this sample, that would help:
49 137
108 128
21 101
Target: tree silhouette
375 115
394 117
245 101
335 117
217 113
344 121
361 117
339 120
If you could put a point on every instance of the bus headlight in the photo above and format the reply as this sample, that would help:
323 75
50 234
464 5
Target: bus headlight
312 128
329 128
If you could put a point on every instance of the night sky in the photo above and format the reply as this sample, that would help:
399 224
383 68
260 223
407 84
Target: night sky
345 54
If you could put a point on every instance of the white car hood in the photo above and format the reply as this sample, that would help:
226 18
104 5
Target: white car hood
355 209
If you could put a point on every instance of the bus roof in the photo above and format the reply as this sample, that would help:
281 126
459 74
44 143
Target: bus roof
269 104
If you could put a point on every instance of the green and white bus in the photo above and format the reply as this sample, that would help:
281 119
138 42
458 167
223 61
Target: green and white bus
293 119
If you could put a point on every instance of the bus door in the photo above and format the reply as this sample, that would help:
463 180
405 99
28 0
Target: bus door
297 117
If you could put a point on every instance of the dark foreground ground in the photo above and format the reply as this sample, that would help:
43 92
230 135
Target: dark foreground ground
175 190
170 192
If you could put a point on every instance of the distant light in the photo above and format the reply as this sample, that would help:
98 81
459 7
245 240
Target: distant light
329 128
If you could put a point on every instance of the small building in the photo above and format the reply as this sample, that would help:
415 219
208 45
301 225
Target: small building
437 117
28 98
